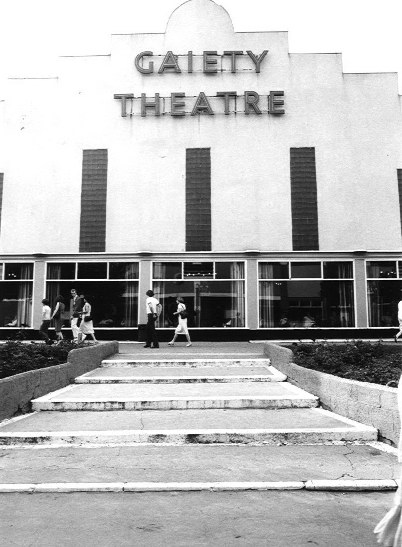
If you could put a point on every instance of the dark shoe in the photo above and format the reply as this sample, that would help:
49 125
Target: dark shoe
146 346
155 347
396 339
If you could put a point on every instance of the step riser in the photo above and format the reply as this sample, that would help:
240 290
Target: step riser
186 438
189 363
176 380
175 404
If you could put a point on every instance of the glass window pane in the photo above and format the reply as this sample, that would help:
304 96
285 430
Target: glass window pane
92 270
306 269
338 270
304 304
383 298
61 270
114 303
167 292
400 268
167 270
273 270
229 270
1 270
198 269
381 269
18 271
123 270
15 304
209 303
220 303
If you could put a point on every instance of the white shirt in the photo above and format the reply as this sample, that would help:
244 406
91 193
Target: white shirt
151 303
400 309
46 312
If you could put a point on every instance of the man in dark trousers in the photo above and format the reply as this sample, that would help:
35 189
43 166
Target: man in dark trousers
76 305
153 307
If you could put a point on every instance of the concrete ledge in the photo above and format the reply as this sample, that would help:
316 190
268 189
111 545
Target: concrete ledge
121 487
16 392
364 402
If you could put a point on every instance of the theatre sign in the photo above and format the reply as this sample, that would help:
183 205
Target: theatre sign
178 104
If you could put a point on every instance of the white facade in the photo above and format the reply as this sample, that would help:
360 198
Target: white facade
353 121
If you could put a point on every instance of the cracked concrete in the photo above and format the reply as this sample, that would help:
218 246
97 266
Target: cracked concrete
197 463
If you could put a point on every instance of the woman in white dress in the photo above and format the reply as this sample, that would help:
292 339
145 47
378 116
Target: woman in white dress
86 326
389 529
182 326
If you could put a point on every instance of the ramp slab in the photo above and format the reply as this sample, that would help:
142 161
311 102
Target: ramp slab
176 396
197 464
290 426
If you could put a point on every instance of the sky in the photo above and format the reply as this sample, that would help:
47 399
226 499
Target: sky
34 32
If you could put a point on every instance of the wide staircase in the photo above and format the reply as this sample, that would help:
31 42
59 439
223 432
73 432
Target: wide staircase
184 419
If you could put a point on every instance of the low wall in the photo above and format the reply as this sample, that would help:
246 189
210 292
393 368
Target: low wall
369 404
16 392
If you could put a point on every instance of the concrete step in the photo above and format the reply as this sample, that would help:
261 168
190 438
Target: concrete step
176 396
141 374
167 360
198 464
290 426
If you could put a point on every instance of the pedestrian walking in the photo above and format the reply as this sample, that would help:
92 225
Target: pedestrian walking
57 317
389 529
44 328
399 333
153 308
182 326
76 305
86 326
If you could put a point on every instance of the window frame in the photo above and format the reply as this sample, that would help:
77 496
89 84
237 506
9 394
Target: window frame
318 279
190 279
77 281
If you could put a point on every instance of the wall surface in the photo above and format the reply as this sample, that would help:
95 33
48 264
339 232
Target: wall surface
369 404
352 120
16 392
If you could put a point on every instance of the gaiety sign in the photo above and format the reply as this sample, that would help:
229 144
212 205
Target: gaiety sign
178 104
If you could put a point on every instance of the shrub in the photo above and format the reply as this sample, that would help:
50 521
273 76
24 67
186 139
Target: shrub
16 357
356 360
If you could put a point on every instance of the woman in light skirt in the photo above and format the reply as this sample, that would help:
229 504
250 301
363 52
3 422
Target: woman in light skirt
182 326
86 326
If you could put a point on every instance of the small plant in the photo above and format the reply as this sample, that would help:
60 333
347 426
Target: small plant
17 357
356 360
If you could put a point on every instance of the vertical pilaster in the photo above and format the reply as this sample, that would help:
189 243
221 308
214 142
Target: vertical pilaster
143 286
38 292
361 293
252 293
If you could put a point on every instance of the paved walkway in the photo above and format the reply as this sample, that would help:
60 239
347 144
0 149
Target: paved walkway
202 519
202 472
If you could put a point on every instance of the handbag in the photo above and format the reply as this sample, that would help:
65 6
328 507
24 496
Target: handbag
184 314
88 318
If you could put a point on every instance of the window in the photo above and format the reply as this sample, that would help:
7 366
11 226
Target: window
303 186
213 292
113 287
306 269
384 284
317 294
92 270
16 294
198 199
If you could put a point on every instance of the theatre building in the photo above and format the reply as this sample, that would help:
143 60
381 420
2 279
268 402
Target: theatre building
262 186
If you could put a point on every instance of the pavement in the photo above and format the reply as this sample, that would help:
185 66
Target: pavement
206 445
224 519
